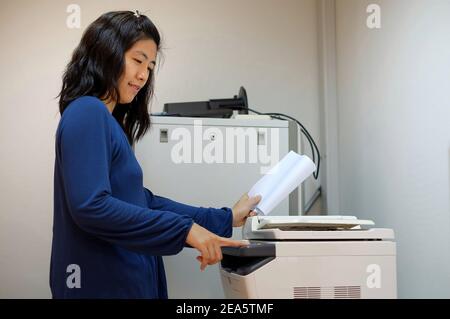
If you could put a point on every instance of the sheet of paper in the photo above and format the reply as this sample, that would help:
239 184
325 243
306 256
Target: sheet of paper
281 180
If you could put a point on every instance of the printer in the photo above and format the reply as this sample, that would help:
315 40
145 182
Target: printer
302 257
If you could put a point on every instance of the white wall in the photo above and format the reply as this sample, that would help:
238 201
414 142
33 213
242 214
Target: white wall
393 88
328 108
211 48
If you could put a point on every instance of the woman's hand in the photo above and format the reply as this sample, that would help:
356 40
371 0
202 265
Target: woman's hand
244 208
209 245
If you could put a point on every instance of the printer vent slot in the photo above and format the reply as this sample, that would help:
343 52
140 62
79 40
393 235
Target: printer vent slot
307 292
337 292
347 292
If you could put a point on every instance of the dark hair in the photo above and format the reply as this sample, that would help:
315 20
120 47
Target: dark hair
98 62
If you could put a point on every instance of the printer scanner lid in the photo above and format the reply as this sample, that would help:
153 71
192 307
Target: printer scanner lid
313 228
311 222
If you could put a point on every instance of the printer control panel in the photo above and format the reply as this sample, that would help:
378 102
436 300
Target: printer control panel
253 249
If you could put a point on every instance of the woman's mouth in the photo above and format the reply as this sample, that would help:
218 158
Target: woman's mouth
136 88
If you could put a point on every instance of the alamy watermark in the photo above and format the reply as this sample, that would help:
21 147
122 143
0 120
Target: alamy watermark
74 279
73 20
374 277
374 19
237 145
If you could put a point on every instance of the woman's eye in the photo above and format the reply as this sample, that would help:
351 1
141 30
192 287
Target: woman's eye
140 62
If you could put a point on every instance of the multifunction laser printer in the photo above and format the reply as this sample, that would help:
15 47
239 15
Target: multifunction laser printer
316 257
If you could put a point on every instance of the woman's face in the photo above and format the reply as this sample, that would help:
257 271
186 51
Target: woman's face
139 62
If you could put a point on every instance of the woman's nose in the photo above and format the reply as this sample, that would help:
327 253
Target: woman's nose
142 76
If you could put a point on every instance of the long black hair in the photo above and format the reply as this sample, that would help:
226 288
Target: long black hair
98 62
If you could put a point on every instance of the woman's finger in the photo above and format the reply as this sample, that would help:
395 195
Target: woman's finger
212 254
205 258
218 253
232 243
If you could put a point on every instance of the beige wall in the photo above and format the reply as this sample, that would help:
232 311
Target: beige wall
394 131
211 48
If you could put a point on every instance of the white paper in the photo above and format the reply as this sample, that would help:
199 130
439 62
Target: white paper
281 180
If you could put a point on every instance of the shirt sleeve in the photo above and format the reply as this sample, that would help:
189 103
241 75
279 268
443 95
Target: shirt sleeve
85 154
218 221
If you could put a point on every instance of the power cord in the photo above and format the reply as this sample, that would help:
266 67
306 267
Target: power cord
281 116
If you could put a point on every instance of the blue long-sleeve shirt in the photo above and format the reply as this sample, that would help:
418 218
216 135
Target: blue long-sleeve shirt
109 232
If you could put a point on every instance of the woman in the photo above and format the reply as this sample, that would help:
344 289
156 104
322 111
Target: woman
109 231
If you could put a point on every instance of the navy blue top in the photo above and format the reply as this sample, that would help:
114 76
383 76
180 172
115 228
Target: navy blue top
108 230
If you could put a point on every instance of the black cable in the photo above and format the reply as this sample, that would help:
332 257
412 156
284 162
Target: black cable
306 133
303 130
310 140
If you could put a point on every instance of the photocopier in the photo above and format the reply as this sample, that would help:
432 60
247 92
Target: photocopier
301 257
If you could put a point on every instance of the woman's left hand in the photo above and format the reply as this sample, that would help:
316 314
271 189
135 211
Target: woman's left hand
244 208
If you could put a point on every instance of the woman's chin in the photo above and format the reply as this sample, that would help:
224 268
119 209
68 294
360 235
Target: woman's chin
126 100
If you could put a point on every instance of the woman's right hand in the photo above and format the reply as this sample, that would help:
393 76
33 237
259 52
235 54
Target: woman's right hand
209 245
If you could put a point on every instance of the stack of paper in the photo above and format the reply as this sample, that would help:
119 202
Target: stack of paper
281 180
